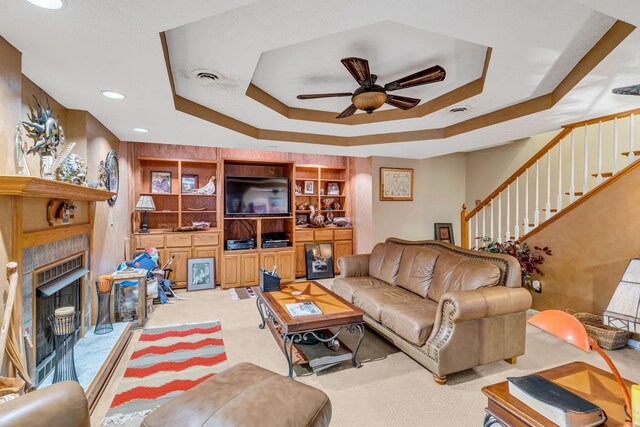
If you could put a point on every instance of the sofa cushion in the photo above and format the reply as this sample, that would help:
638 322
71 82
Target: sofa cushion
384 262
372 300
457 273
413 321
346 287
416 269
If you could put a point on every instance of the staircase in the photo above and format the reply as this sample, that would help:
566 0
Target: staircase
581 160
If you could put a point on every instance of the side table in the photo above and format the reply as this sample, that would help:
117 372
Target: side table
591 383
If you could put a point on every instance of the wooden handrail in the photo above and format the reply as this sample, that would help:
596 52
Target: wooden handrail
563 132
12 277
603 118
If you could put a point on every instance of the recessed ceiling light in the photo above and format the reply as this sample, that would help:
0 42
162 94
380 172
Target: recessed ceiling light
141 130
48 4
113 95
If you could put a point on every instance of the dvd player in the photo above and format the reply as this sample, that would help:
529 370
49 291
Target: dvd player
275 244
237 244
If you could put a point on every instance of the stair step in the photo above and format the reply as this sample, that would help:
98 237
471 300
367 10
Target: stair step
575 193
604 174
635 153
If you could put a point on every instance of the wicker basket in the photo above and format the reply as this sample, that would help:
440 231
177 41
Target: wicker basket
607 337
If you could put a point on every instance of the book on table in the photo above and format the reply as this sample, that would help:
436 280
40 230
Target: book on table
555 402
303 309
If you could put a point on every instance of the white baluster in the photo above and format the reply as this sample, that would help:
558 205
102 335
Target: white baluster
476 233
548 204
536 213
585 185
526 203
516 229
614 166
559 198
632 155
491 220
507 234
572 187
484 223
599 177
499 217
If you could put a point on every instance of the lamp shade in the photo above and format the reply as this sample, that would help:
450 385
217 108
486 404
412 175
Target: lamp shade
564 326
145 203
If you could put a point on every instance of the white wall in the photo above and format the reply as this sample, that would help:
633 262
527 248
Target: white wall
439 190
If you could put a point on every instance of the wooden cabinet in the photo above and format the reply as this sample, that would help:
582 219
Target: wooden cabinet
341 248
323 235
179 264
231 270
182 246
301 262
283 260
249 269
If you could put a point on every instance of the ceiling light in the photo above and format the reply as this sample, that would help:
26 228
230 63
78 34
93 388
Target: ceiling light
141 130
48 4
113 95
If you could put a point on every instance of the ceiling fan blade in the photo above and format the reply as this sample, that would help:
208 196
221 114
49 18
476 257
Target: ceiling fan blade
627 90
351 109
359 69
430 75
402 102
324 95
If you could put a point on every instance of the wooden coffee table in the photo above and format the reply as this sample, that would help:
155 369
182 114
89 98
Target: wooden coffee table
336 313
591 383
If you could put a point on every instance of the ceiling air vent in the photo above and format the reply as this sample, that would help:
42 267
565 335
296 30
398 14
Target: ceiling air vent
204 75
459 109
207 76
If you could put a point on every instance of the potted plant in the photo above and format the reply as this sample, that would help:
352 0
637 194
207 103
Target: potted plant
529 259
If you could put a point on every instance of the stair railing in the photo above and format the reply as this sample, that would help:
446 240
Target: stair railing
582 155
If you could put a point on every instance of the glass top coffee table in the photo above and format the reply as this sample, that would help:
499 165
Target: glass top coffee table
337 313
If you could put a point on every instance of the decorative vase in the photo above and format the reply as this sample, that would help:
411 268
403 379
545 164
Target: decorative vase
46 167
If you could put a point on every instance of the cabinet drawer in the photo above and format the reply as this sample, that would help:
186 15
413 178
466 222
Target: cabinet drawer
304 236
178 240
208 239
150 241
323 235
343 234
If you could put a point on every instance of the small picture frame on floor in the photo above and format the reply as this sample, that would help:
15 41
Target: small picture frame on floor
443 231
319 258
200 274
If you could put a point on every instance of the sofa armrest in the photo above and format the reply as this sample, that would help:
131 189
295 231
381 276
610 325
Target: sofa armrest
486 302
354 265
59 405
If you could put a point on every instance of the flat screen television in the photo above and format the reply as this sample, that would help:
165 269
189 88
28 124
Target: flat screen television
256 195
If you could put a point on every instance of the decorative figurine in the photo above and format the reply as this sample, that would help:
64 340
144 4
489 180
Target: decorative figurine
73 170
327 204
47 134
102 175
315 217
22 168
210 188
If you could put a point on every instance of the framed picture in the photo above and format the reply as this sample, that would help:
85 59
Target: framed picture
319 257
308 187
333 189
396 184
189 183
161 182
443 231
200 274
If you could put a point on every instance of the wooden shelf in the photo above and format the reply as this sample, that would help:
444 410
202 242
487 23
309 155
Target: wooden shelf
332 180
187 211
255 218
162 212
198 195
31 186
159 194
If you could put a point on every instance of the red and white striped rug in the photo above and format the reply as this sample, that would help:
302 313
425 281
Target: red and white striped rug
166 361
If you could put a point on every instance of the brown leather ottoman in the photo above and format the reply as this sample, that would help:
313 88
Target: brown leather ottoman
245 395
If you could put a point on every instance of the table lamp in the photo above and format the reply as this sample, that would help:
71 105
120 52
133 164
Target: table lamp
145 203
565 326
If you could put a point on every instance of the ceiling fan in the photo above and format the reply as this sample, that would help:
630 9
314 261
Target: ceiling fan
627 90
370 96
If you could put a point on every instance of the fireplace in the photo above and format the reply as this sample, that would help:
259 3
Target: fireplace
57 285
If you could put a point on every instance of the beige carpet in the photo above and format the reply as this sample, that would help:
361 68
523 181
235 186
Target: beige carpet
390 389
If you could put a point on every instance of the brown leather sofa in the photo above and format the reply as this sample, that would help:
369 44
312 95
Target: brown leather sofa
447 307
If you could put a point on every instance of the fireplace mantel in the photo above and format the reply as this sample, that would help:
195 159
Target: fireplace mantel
31 186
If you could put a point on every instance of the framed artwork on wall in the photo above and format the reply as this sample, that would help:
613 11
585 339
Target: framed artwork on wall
396 184
319 257
443 231
308 187
200 274
160 182
189 183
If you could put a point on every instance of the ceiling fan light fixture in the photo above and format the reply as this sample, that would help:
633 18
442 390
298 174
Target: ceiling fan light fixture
48 4
369 101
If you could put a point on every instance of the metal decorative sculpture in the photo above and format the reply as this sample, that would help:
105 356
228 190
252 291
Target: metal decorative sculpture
47 134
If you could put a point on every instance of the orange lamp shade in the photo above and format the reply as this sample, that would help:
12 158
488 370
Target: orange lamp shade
564 326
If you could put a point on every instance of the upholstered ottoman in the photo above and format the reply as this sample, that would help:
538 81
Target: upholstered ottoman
245 395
